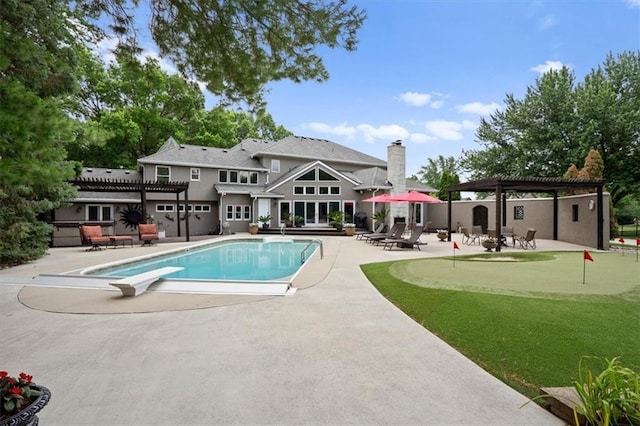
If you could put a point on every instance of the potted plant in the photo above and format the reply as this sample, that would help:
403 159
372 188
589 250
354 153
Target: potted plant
489 243
349 229
21 400
253 228
288 219
381 216
442 234
264 220
335 219
298 221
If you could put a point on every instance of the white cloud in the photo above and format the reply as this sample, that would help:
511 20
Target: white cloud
446 130
549 65
415 99
386 132
421 99
633 3
547 22
478 108
421 138
340 129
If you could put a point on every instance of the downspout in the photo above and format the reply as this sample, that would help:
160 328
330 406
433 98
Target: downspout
221 209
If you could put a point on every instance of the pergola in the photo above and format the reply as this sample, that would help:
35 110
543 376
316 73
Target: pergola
143 187
501 185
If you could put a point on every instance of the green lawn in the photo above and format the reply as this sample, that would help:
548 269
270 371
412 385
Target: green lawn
528 342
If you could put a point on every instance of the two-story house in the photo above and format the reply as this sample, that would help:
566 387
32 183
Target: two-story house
230 188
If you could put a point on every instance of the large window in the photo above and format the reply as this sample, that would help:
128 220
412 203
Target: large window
238 212
163 173
243 177
99 212
312 190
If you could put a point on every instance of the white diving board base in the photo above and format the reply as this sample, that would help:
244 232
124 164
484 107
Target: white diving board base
138 284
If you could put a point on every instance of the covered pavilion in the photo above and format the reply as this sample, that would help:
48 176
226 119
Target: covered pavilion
502 185
142 187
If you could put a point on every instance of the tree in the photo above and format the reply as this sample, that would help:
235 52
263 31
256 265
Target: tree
135 106
431 173
36 56
448 179
237 46
558 122
224 128
608 105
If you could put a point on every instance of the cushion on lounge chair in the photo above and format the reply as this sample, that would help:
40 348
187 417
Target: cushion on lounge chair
148 232
92 235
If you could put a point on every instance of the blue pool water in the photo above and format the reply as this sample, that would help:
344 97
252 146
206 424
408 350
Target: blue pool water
255 260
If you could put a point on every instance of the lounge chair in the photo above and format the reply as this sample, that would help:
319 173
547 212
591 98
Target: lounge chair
148 233
529 240
378 230
467 238
396 232
412 242
92 235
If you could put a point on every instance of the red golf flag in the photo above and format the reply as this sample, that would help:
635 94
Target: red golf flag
621 240
455 246
587 256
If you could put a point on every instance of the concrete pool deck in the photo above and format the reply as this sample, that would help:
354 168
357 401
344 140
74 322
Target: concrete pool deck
336 352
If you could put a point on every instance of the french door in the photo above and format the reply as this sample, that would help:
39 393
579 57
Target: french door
315 213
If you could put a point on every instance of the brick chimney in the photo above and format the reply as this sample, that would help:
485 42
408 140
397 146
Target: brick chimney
396 177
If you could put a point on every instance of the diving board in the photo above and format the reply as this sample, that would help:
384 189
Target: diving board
138 284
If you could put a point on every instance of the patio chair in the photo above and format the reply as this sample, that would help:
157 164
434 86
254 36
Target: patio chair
148 233
477 231
507 232
378 230
92 235
529 240
412 242
467 238
396 231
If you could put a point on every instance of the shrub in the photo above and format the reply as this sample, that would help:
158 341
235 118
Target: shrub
611 397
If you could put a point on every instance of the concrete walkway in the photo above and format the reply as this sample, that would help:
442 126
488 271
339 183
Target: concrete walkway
335 353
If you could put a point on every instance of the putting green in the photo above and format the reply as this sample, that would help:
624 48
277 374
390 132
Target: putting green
560 274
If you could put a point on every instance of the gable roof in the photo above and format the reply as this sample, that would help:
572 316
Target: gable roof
172 153
303 168
301 147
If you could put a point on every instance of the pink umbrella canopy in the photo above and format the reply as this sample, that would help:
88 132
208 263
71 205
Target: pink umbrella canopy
382 198
414 197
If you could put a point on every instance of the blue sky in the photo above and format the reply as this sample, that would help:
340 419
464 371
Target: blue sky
426 71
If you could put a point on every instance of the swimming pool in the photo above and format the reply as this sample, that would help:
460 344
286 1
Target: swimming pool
244 260
253 266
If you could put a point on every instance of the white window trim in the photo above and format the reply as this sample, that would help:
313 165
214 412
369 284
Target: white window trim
197 170
100 208
169 172
275 165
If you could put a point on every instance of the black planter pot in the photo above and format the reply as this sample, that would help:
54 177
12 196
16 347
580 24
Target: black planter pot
27 417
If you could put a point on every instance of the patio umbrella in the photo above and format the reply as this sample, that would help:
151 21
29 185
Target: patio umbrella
382 198
414 197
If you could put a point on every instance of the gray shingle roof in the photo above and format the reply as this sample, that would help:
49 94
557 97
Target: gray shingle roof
99 173
205 156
